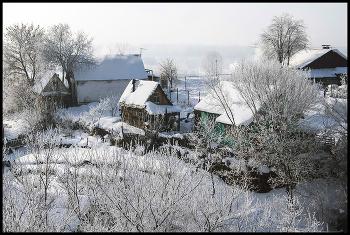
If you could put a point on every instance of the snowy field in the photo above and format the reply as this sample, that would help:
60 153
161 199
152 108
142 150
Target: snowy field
159 193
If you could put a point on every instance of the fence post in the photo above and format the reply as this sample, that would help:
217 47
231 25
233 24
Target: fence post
177 94
199 100
188 97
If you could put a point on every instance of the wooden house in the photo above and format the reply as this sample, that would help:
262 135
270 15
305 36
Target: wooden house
111 76
238 113
51 90
144 104
326 65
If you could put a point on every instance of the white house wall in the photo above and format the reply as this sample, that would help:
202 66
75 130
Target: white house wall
93 91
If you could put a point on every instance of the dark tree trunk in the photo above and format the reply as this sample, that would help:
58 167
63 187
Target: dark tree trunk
72 87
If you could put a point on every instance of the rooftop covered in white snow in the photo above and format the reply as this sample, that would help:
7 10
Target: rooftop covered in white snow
304 58
115 67
137 96
242 114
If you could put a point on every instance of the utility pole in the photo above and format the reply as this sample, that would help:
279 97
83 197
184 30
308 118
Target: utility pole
141 50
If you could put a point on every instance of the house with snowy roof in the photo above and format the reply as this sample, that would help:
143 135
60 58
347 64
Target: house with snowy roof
326 65
236 114
143 103
52 90
111 76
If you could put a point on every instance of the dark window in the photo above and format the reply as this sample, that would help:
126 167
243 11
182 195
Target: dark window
156 97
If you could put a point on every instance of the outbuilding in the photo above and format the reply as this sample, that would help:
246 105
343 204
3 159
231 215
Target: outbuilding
52 91
326 65
110 77
144 104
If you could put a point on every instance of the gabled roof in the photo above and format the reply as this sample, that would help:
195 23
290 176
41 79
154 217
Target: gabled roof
41 84
242 114
44 80
138 98
304 58
143 90
115 67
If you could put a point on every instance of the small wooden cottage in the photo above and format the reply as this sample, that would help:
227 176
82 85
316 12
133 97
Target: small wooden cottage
111 76
211 108
145 105
326 65
51 90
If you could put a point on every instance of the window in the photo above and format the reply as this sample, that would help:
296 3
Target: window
156 97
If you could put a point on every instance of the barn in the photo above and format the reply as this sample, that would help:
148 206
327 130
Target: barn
111 76
144 104
326 65
51 90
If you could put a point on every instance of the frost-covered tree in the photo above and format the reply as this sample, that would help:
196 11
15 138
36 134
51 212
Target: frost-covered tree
168 70
212 70
73 52
277 93
283 38
120 48
278 96
212 65
22 51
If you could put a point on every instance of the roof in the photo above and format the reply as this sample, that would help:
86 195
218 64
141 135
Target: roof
115 67
44 80
143 90
329 72
242 114
304 58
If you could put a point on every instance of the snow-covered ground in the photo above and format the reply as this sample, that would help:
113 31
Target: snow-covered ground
101 151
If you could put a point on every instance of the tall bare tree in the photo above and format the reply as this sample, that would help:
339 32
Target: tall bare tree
283 38
21 51
73 52
212 70
168 70
121 48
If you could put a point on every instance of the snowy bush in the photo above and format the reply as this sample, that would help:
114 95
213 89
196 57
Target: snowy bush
110 103
110 189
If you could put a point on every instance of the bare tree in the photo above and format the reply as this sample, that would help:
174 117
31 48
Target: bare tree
21 51
212 65
283 38
278 96
212 70
121 48
168 70
72 52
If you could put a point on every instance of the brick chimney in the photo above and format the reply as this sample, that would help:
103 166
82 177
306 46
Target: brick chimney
133 85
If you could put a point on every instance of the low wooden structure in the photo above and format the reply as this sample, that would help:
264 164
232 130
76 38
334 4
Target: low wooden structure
145 105
326 65
51 91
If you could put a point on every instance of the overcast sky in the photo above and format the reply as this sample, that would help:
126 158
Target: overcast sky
184 31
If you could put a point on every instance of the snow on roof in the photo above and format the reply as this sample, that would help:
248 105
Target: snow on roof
115 67
154 109
42 82
242 114
143 90
302 59
330 72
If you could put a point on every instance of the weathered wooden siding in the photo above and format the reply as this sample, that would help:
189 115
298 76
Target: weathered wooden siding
328 60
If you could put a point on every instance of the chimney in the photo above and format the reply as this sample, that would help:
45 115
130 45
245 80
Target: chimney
133 85
326 46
